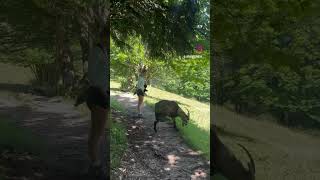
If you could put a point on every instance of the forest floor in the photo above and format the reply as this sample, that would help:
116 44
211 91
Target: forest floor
150 155
197 133
43 138
280 153
61 129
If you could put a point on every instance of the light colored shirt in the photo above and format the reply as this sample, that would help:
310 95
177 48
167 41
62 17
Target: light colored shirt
98 68
141 82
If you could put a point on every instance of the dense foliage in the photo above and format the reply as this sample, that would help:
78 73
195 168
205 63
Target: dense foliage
169 27
266 58
54 27
162 45
187 76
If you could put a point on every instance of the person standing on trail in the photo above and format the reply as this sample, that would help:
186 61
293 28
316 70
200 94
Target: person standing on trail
98 102
140 89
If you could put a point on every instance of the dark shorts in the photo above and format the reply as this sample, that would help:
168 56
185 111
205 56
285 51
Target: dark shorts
95 96
140 92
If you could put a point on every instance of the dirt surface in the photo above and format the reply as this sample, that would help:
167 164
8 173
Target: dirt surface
280 153
21 166
150 155
63 127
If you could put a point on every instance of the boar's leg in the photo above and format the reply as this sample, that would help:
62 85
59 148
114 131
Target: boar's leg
155 125
174 124
158 117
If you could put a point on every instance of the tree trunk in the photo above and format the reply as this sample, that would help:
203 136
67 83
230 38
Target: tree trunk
60 35
217 83
85 52
65 74
98 16
68 75
285 118
84 40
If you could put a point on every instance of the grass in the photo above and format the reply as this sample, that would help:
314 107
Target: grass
118 138
197 132
116 105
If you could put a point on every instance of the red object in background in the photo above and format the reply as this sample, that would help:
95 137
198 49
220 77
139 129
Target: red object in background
199 48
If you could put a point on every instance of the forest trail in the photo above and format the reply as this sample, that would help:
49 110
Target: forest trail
150 155
63 127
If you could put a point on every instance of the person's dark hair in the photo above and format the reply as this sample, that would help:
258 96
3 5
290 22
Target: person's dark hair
143 70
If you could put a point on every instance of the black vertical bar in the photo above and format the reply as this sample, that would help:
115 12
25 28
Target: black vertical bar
212 89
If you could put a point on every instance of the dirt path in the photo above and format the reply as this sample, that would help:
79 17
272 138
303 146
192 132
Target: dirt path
156 156
63 127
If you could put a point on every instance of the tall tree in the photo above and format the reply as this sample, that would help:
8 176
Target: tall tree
170 26
250 37
55 25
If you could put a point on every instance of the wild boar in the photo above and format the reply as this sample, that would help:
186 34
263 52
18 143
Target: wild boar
171 109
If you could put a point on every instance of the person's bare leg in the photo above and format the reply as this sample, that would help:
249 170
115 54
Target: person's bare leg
140 104
98 123
105 143
93 135
103 115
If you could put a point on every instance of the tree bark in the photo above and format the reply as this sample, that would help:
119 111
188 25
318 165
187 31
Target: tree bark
83 22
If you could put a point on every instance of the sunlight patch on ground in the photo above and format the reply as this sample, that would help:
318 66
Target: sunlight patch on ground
172 159
199 173
194 153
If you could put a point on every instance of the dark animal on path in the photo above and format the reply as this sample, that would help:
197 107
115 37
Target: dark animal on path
166 108
225 162
82 91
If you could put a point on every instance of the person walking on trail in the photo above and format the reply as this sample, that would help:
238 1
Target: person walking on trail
140 89
98 102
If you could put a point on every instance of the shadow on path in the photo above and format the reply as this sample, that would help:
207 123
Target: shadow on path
63 128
